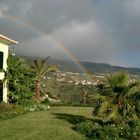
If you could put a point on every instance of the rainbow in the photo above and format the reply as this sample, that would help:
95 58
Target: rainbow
35 29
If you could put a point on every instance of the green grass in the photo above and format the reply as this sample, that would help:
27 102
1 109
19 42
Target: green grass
55 124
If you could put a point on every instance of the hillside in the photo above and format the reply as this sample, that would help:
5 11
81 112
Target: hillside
92 67
107 68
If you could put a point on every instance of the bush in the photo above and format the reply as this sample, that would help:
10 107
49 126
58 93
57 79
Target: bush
85 128
20 80
31 106
10 111
130 130
36 107
109 131
95 130
3 107
46 102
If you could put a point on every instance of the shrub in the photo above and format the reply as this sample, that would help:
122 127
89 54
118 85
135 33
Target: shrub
46 102
31 106
20 80
36 107
95 130
3 107
10 111
85 128
130 130
110 131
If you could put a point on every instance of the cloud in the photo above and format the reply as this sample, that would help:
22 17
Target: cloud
87 41
3 8
92 30
42 46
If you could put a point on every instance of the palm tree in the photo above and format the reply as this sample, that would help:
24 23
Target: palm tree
118 102
41 68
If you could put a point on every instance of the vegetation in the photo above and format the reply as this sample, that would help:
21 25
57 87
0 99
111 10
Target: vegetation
68 93
117 100
41 68
97 129
96 67
55 124
9 111
116 106
20 80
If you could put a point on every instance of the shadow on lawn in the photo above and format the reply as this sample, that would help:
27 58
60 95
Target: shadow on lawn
76 119
73 119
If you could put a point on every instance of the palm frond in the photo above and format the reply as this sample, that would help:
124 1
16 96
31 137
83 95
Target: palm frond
118 79
119 98
115 114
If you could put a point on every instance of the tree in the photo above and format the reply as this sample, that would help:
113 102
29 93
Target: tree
118 99
41 68
19 78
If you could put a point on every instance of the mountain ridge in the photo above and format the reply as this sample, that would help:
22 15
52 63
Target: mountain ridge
90 67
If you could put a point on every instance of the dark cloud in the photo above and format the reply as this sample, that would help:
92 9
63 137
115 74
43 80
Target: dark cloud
94 30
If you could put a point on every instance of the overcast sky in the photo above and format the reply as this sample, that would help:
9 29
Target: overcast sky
106 31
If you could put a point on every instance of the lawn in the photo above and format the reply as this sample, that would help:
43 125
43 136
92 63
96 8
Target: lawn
55 124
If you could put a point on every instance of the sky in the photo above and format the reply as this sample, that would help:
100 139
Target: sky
104 31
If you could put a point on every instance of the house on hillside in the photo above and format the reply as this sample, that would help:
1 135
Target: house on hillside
5 42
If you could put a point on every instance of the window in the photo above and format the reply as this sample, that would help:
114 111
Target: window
1 60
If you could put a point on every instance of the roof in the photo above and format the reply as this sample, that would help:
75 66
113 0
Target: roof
7 41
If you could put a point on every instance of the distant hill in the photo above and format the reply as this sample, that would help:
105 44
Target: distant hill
92 67
107 68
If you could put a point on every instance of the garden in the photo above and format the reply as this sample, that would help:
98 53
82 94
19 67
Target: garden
114 115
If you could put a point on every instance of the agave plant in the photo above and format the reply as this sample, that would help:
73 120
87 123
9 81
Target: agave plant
119 98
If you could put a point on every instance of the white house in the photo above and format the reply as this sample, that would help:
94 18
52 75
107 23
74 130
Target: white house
5 42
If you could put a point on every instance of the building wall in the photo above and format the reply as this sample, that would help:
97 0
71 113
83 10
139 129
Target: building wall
4 49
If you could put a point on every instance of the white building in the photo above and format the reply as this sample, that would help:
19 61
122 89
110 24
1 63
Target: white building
5 42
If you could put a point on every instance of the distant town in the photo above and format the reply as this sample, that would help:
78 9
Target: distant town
83 78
